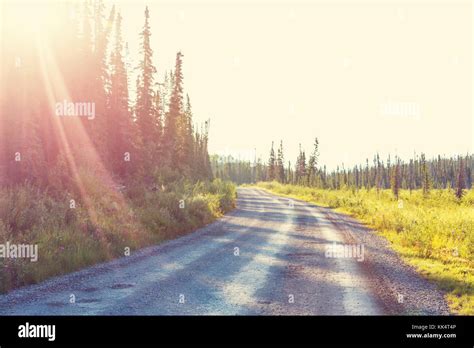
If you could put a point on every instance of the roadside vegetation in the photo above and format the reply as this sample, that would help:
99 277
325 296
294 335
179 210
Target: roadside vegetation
113 224
128 167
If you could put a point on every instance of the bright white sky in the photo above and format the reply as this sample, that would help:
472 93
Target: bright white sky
293 70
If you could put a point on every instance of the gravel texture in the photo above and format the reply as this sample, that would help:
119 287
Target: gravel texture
268 256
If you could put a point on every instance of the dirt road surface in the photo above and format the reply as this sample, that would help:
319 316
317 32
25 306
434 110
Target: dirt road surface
270 256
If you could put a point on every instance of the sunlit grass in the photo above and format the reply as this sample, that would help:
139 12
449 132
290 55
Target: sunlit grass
69 240
435 233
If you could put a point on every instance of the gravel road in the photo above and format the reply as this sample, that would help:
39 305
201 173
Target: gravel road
270 256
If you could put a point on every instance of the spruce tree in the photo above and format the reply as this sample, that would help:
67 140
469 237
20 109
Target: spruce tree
395 178
271 174
145 112
188 134
300 172
280 169
207 174
313 163
425 175
100 80
120 119
460 182
173 130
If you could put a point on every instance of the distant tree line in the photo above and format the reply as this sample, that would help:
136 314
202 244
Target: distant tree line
392 173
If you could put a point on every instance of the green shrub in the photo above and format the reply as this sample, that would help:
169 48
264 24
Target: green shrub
103 224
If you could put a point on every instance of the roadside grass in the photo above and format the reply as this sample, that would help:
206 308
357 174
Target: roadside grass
103 225
435 234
